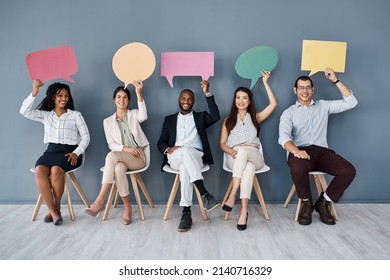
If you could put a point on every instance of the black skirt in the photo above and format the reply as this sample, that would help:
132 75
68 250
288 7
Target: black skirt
55 156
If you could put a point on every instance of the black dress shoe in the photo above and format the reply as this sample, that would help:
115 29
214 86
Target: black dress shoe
48 218
322 206
185 222
243 227
209 202
304 217
59 220
227 208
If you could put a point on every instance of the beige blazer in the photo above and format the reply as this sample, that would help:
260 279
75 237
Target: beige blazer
134 117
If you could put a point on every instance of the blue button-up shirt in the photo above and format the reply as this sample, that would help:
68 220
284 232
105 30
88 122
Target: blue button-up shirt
307 125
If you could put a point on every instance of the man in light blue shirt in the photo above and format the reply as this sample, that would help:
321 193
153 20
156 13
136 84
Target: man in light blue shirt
303 133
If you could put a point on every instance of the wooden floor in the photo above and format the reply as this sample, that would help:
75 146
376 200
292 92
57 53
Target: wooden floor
362 233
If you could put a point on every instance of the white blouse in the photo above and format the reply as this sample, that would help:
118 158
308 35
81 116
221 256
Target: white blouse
243 133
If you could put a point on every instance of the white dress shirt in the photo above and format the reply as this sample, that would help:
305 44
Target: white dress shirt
69 128
186 132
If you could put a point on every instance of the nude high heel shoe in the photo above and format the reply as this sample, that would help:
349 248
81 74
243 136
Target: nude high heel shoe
94 213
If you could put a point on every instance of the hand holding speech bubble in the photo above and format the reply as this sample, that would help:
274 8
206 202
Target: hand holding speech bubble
132 62
187 64
53 63
251 62
318 55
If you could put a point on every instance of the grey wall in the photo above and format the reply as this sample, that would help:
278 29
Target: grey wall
96 29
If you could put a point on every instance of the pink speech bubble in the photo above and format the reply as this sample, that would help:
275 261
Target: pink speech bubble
187 64
49 64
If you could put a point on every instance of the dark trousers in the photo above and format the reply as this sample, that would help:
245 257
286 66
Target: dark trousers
324 160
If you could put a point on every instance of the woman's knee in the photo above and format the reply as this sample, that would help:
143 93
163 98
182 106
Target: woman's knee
110 157
56 173
120 168
42 171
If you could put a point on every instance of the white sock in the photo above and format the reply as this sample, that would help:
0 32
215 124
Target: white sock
327 197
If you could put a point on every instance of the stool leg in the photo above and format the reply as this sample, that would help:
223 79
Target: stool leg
37 207
172 196
116 199
201 205
290 196
260 197
69 199
109 202
228 191
79 189
298 209
137 197
144 190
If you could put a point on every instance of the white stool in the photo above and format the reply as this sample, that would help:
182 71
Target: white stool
76 185
175 187
135 177
256 186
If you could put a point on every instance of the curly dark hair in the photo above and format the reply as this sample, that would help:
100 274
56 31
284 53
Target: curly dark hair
47 104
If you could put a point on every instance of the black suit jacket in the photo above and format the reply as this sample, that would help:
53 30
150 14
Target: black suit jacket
202 121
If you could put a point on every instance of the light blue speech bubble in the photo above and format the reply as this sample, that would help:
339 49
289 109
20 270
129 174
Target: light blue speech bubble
251 62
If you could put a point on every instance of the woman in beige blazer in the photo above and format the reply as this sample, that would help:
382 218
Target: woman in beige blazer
126 141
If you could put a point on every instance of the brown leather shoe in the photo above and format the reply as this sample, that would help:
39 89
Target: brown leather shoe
322 206
304 217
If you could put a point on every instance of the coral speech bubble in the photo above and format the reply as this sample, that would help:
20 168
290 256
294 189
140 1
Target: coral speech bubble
251 62
318 55
187 64
53 63
134 61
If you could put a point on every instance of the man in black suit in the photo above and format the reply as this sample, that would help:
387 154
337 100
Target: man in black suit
185 146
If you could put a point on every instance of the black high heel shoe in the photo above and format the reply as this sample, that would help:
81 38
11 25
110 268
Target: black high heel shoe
227 208
243 227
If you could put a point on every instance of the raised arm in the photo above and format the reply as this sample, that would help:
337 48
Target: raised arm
214 115
330 75
142 111
267 111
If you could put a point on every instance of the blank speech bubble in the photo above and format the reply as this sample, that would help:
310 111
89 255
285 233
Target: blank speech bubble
53 63
251 62
318 55
132 62
187 64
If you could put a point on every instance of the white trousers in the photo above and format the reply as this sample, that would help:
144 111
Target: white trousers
247 161
190 163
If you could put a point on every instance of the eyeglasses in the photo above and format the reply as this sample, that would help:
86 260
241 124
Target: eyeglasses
308 88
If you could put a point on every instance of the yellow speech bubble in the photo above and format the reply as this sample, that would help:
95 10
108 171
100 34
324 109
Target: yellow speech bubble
134 61
318 55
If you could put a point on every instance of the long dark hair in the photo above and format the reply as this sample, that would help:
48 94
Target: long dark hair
47 104
231 120
123 89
